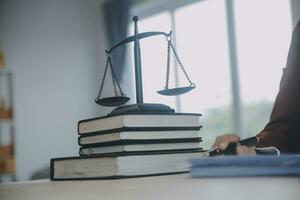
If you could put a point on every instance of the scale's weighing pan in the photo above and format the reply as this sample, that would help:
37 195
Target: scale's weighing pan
112 101
175 91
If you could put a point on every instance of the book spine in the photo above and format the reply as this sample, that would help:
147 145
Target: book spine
52 169
116 177
142 141
123 129
137 153
138 113
112 116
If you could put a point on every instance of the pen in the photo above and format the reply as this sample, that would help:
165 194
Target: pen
230 150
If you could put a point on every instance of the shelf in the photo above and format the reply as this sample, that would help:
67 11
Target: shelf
7 166
6 113
6 121
7 134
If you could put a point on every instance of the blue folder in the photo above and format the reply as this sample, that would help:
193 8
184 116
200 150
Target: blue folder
234 166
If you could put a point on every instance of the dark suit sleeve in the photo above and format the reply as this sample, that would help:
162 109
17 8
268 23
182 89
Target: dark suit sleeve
283 129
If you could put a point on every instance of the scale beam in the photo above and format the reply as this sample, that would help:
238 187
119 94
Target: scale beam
139 36
120 98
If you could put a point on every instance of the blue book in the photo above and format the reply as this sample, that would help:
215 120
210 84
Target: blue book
232 166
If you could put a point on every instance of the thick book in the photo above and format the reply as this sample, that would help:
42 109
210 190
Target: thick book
120 166
234 166
137 135
140 146
139 121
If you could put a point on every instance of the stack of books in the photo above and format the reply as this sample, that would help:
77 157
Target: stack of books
130 145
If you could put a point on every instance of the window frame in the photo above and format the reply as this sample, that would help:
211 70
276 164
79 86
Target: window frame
149 8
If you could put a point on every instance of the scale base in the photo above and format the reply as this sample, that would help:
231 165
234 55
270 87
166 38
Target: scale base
142 108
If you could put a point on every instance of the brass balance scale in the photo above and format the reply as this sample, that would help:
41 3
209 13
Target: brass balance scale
120 98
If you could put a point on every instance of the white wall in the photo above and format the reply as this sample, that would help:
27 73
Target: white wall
56 52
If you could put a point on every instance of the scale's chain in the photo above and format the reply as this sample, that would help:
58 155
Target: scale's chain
115 80
103 79
168 67
179 62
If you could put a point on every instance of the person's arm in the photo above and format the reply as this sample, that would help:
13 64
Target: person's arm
283 129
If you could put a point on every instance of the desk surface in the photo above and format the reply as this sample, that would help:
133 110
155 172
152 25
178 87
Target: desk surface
159 187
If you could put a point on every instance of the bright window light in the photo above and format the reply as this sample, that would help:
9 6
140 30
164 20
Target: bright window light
263 32
201 35
263 40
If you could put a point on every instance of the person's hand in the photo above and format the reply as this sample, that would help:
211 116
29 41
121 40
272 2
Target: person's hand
223 141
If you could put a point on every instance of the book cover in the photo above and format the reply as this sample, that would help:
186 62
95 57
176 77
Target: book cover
138 120
138 135
141 129
140 146
143 141
112 166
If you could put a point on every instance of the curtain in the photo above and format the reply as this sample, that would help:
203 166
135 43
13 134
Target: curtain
116 16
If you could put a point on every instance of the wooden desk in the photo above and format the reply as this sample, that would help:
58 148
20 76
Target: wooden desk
160 187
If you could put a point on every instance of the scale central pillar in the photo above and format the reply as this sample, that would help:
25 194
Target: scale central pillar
140 106
137 64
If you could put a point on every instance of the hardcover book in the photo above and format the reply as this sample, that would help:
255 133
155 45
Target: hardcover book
137 148
140 146
120 166
139 121
138 135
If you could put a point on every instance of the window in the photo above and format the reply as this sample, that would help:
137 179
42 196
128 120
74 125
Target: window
262 46
200 32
